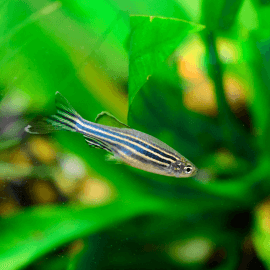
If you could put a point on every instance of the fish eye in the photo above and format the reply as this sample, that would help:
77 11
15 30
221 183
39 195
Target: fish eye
188 169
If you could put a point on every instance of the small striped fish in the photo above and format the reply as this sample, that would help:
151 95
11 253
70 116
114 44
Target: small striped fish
133 147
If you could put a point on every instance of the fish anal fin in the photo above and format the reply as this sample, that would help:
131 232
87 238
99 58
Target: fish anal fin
105 118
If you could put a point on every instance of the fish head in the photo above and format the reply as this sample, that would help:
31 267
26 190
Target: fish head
183 168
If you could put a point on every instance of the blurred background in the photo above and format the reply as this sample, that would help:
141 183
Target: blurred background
64 205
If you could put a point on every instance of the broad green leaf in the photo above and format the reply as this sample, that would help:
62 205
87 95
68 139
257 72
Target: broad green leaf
111 26
153 40
41 229
33 233
40 57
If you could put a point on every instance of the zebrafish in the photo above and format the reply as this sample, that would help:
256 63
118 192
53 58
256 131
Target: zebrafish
133 147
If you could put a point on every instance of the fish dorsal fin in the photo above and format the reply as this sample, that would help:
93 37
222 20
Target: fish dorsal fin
63 105
105 118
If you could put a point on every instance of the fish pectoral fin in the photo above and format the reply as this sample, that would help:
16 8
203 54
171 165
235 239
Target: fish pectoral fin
114 158
92 142
107 119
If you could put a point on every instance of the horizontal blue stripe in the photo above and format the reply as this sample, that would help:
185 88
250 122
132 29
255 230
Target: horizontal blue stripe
130 139
135 147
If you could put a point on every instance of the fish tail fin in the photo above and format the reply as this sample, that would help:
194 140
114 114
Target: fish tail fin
64 119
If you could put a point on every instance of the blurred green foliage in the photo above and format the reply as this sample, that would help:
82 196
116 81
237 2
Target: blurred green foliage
193 74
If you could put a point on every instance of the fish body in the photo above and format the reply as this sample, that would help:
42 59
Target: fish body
133 147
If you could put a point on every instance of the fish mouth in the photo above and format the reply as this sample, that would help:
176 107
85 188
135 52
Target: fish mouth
194 172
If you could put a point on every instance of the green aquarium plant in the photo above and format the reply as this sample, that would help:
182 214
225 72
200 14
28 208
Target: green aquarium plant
194 75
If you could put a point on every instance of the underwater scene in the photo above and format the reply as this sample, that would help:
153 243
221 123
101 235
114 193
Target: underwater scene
134 134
